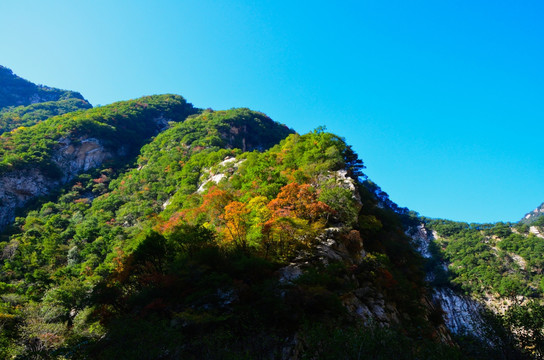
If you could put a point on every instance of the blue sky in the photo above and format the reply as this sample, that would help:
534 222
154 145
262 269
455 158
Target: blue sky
443 100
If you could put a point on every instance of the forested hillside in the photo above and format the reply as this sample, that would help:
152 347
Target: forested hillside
206 242
23 103
38 160
500 266
16 91
14 117
150 229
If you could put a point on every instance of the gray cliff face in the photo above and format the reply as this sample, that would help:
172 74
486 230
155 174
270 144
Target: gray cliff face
19 187
366 302
421 239
462 314
74 158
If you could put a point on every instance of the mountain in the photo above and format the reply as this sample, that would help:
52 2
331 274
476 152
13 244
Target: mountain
37 160
206 242
23 103
489 280
150 229
16 91
537 215
15 117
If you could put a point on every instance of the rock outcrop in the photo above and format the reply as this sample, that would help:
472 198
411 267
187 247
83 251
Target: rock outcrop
462 314
74 157
536 231
532 216
17 188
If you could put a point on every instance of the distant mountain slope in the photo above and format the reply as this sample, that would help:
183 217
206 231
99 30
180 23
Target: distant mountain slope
497 269
534 216
16 91
23 103
14 117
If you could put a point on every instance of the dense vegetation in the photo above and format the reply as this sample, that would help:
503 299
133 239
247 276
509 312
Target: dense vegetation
499 263
15 117
24 104
181 254
492 258
231 236
126 124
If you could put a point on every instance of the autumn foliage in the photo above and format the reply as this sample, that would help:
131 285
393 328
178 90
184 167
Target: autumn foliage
299 201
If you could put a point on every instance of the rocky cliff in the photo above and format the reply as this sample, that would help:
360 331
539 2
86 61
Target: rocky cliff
462 314
71 157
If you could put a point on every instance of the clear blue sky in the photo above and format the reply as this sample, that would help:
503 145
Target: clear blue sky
443 100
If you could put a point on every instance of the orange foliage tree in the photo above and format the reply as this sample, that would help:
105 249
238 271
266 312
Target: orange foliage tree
212 207
236 223
296 217
301 201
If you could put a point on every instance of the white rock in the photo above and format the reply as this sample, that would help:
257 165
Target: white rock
534 230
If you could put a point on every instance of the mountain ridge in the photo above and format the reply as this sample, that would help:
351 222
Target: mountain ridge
533 216
16 91
23 103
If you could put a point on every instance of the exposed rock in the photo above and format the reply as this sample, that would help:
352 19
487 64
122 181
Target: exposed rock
461 313
533 215
534 230
331 246
226 297
290 272
161 122
72 158
356 307
292 349
368 304
519 260
225 168
328 250
166 203
17 188
10 250
421 239
346 182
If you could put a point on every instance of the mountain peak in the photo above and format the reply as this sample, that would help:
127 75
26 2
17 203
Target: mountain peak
16 91
532 216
